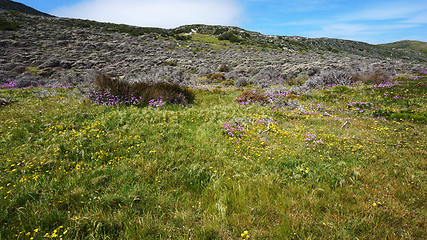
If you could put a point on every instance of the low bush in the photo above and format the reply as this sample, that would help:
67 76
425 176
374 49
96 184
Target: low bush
230 37
224 68
241 82
329 78
6 25
217 77
111 91
375 77
182 37
251 97
228 82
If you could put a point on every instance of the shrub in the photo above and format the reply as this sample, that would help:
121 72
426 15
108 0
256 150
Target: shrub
6 25
217 77
340 89
375 77
329 78
227 82
172 64
110 91
297 81
182 37
224 68
249 97
230 37
241 82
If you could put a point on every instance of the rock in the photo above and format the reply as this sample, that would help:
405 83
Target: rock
242 82
9 66
50 63
6 76
267 76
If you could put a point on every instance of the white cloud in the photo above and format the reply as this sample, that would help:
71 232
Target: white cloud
156 13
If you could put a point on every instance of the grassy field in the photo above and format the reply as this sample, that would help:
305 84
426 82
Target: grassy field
348 163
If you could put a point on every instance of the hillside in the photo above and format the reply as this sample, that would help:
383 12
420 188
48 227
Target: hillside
19 7
409 45
35 51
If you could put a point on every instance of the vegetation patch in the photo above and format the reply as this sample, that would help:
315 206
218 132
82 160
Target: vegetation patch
110 91
220 169
6 25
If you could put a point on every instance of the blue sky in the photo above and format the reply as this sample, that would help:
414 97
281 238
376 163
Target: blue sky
363 20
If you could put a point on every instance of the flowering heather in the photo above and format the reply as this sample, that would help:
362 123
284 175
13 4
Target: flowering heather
156 103
275 96
361 106
109 99
9 85
312 141
385 85
161 101
233 129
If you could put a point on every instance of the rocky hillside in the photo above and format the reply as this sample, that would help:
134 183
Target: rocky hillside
51 50
15 6
417 46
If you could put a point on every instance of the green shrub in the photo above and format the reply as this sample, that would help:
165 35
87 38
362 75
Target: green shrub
230 37
340 89
224 68
218 77
182 37
228 82
170 63
6 25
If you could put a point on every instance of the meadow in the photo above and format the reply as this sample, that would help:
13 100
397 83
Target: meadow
343 162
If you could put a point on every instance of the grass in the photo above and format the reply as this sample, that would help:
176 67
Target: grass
72 169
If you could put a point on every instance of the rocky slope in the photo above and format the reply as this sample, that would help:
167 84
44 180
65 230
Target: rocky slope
58 51
417 46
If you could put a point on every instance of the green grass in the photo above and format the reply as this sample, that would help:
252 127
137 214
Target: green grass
77 170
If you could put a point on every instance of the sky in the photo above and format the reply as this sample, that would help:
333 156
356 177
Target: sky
370 21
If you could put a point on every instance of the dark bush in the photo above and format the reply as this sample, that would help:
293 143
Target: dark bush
111 91
217 77
6 25
182 37
224 68
230 37
250 97
375 77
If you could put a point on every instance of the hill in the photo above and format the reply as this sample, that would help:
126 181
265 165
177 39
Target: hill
409 45
188 54
15 6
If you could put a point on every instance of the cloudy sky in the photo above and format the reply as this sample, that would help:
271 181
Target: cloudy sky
363 20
